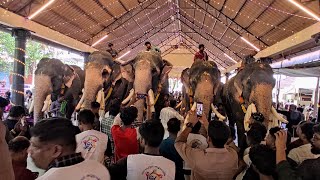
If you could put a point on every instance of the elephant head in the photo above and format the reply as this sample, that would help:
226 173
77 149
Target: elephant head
50 76
254 85
150 74
98 71
204 83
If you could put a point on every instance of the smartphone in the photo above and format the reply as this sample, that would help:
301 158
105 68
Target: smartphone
199 108
283 126
141 96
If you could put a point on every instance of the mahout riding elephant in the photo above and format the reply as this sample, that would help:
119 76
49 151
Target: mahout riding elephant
150 83
248 97
201 83
53 77
105 78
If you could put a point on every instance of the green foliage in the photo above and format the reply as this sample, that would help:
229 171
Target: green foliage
34 52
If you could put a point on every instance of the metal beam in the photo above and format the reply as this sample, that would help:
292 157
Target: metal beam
261 13
14 20
213 38
186 38
141 37
23 7
279 23
244 3
233 29
104 8
123 19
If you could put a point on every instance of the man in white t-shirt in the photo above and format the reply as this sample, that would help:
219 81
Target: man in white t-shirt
150 164
91 143
168 113
53 145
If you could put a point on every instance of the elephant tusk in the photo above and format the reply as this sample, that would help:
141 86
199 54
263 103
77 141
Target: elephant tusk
254 109
220 116
78 107
46 104
31 106
100 99
126 100
276 114
247 117
194 106
179 105
151 100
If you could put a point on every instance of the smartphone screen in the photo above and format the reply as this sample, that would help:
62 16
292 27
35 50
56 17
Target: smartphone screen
199 108
283 126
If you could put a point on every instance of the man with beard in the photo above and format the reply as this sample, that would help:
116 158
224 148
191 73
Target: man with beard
308 170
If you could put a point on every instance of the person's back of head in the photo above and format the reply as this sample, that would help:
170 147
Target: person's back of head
218 133
95 105
152 133
256 134
17 111
173 103
86 116
128 115
307 131
18 148
114 107
263 159
196 128
174 125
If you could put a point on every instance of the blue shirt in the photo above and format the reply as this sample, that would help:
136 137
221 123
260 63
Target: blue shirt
168 151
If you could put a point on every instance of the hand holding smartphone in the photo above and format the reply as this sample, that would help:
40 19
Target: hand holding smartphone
199 109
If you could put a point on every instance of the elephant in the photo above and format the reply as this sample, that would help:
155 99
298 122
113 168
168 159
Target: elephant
249 94
150 75
102 71
53 77
201 83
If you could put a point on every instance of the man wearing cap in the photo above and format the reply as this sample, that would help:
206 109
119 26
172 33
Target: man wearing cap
113 52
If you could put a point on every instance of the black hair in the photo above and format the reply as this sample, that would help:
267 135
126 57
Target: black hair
86 116
56 130
219 133
201 45
307 130
95 105
17 111
264 159
152 132
128 115
114 107
3 102
146 43
18 144
173 103
273 131
110 44
196 128
257 133
174 125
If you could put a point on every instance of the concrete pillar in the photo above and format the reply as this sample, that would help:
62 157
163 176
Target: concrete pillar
20 36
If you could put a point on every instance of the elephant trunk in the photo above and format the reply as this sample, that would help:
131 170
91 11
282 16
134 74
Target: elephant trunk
93 83
142 84
262 97
42 88
204 92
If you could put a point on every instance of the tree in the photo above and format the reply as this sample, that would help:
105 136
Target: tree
34 52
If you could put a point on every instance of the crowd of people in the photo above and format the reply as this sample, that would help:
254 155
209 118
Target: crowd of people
175 146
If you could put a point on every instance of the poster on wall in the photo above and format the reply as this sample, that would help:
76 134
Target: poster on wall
4 83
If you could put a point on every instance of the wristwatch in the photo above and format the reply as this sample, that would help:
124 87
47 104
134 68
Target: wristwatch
189 125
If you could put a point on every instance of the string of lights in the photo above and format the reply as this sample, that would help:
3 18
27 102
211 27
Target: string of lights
127 24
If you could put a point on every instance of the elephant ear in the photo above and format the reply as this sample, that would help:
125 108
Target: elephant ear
238 86
167 67
69 75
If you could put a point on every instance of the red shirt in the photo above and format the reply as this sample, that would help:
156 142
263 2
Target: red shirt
21 172
201 55
125 141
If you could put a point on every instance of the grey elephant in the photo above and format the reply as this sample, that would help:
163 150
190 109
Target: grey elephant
201 83
249 94
102 71
52 77
150 84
